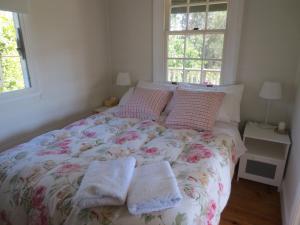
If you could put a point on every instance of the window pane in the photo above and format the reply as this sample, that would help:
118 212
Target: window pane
197 17
214 46
212 77
198 8
217 7
217 15
176 46
192 64
179 10
11 74
192 76
179 2
175 75
213 65
12 79
194 45
178 19
175 64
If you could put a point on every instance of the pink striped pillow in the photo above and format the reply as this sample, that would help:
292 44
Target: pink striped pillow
194 110
145 104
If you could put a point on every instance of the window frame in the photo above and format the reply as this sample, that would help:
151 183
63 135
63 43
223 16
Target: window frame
33 90
204 32
231 41
24 65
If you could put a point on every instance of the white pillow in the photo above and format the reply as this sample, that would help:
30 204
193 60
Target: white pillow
126 96
230 109
156 85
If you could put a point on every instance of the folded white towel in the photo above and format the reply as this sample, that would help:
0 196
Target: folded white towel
154 188
105 183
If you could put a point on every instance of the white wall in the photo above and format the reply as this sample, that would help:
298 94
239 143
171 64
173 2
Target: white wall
131 39
290 195
70 52
270 33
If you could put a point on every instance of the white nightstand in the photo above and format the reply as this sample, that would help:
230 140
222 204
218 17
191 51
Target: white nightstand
266 156
101 109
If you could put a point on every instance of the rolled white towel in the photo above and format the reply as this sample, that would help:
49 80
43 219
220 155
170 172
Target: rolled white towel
105 183
154 188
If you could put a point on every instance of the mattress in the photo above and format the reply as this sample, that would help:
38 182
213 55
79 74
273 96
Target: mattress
38 179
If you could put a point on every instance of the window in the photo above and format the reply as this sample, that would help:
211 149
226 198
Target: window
195 31
13 67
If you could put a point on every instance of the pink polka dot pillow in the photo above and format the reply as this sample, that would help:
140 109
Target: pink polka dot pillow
194 110
145 104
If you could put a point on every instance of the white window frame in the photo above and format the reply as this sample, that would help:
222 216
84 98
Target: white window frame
33 90
231 41
23 61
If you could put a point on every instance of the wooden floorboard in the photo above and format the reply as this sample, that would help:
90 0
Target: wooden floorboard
252 203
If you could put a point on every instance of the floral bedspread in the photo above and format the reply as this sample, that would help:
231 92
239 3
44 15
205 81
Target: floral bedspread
38 179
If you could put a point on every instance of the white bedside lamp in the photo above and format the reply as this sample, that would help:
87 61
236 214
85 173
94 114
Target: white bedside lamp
270 91
123 79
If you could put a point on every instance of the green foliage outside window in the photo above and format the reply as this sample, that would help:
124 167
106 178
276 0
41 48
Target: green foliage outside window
11 76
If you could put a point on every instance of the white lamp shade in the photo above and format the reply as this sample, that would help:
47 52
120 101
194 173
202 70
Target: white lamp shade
123 79
271 91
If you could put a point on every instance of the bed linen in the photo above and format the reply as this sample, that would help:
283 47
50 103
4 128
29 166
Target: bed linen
38 179
105 183
159 186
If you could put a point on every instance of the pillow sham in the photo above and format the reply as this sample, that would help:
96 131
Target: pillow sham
160 86
230 107
144 104
152 86
194 110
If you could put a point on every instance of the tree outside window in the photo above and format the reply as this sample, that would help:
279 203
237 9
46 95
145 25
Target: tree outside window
13 71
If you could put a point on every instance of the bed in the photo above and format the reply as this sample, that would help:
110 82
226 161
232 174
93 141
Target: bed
39 178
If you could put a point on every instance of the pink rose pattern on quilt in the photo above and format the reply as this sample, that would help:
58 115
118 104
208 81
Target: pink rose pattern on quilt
38 179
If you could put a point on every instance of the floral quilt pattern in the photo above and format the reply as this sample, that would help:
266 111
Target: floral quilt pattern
38 179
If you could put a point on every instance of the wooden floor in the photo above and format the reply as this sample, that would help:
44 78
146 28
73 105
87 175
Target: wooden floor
252 203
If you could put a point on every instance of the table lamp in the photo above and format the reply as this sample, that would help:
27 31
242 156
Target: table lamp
123 79
270 91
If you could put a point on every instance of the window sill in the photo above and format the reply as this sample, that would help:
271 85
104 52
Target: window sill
19 95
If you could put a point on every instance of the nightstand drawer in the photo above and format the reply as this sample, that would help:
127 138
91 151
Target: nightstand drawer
261 170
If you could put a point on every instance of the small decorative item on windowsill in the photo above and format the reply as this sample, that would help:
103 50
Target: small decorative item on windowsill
270 91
